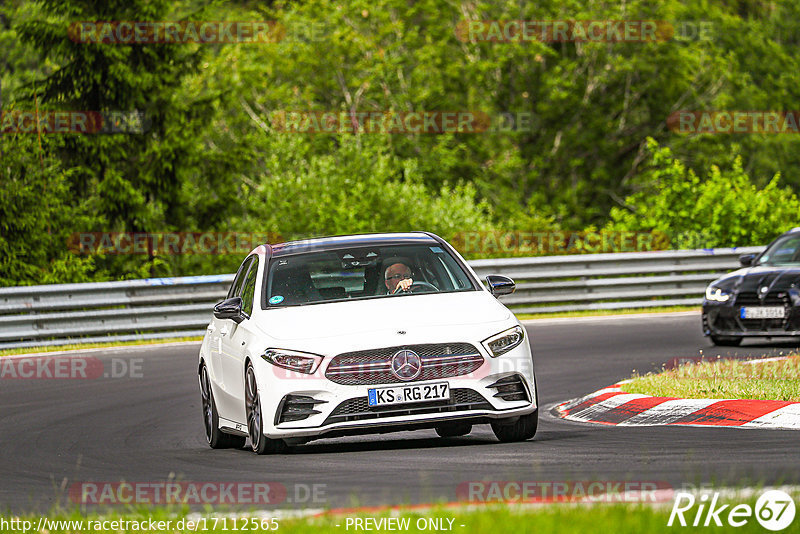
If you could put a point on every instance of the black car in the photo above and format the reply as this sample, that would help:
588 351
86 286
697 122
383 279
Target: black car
760 300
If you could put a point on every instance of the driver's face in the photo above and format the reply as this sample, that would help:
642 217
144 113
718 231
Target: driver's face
395 273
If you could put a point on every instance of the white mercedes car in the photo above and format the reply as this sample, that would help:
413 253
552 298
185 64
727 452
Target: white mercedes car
363 334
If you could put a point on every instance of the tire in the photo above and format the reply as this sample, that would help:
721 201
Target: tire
453 430
216 438
522 429
260 443
726 341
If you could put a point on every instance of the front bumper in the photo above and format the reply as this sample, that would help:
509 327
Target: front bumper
336 409
724 320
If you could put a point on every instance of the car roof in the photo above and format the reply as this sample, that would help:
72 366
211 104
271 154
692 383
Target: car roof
787 232
319 244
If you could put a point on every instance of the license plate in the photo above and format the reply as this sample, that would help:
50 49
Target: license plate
408 394
763 312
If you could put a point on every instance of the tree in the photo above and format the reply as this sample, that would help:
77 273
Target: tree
37 217
138 180
724 208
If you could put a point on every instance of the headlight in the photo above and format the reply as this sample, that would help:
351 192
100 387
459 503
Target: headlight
717 295
504 341
302 362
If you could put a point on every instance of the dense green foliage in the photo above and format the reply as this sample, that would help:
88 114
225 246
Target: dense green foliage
357 186
212 158
722 209
36 220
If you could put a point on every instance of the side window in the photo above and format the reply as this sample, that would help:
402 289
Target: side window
249 288
236 286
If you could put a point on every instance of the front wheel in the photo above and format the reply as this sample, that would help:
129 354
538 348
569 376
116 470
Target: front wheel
258 441
522 429
726 341
216 438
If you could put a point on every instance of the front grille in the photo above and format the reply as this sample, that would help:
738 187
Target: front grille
358 409
750 298
368 367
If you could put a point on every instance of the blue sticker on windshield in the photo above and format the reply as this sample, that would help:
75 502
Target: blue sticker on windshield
436 250
277 299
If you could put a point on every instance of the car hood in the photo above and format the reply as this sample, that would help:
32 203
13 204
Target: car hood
409 313
752 279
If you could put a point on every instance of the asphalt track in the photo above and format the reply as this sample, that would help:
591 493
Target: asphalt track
54 433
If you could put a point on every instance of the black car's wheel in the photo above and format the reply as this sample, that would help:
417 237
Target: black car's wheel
216 438
258 441
452 430
522 429
726 341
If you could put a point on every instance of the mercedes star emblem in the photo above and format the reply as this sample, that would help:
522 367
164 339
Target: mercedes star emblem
406 364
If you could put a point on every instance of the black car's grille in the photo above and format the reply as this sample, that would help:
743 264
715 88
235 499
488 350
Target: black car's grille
751 299
358 409
763 325
439 360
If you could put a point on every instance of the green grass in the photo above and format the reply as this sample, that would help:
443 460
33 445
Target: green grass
542 519
591 313
78 346
724 379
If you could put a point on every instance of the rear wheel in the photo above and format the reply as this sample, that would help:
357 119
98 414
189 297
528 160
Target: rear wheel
216 438
726 341
453 430
522 429
258 441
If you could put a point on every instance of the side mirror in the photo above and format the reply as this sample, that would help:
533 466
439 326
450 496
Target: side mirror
230 309
500 285
747 259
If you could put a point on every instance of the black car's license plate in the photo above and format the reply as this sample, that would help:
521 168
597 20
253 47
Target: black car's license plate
762 312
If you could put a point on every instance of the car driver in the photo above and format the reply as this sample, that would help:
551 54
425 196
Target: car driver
397 278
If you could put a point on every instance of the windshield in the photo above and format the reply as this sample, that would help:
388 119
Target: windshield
363 273
785 251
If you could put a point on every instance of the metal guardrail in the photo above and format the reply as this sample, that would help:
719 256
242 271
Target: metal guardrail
108 311
612 281
177 307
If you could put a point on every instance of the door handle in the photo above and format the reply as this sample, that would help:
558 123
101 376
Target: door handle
223 331
211 329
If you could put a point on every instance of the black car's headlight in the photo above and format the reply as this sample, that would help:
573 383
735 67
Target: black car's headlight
717 294
302 362
504 341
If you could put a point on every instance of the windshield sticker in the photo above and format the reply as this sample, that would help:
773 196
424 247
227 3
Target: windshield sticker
277 299
437 250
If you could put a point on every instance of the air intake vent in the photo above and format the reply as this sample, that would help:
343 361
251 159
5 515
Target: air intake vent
296 408
511 388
